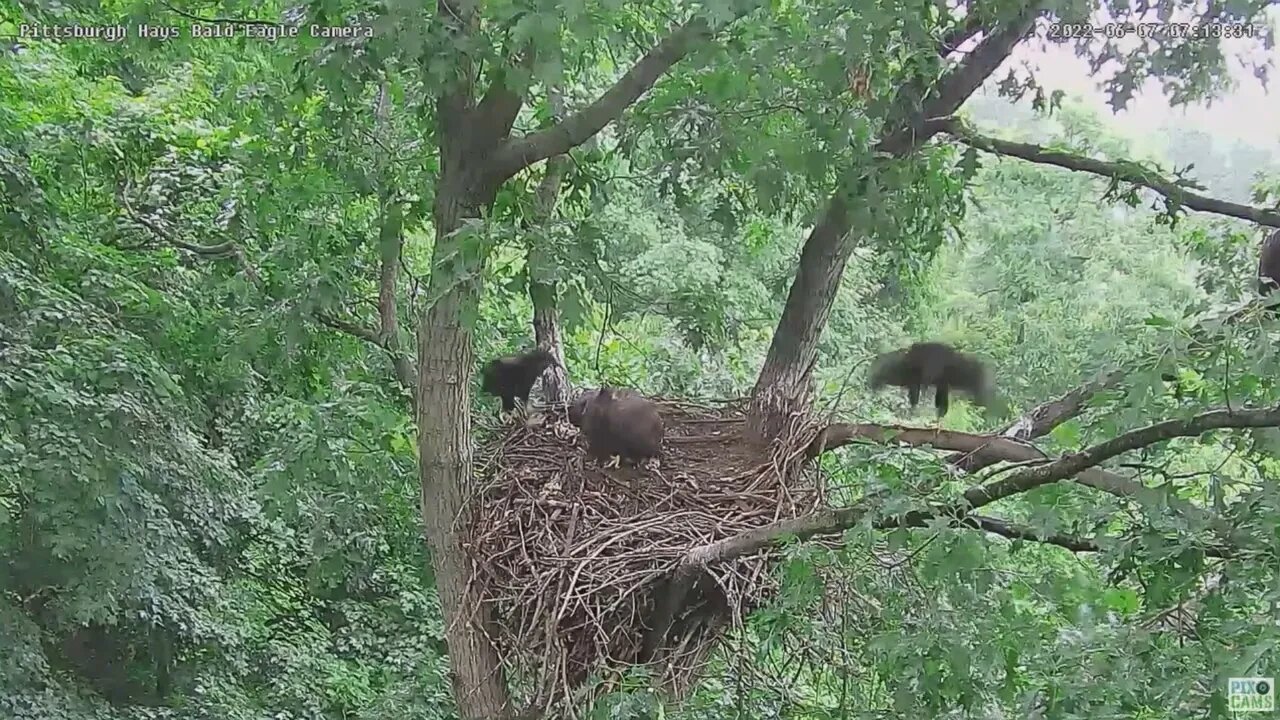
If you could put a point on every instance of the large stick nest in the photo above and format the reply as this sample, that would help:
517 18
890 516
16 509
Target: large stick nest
570 557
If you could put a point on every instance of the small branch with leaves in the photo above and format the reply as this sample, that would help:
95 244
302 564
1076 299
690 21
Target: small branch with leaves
400 363
973 452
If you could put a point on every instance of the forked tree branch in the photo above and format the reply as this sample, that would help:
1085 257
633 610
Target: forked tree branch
1039 420
983 451
1016 482
387 335
498 109
961 82
828 522
518 154
390 247
1130 172
401 366
455 101
978 65
785 378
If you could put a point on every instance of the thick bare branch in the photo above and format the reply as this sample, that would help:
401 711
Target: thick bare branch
1018 481
498 109
1130 172
984 451
840 434
987 449
517 154
355 330
1043 418
1040 420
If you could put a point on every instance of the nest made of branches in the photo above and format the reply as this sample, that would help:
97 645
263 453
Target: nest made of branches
571 559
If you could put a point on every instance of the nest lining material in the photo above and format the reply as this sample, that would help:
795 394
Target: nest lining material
570 557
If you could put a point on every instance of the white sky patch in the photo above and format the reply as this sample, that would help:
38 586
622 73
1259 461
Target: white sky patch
1246 111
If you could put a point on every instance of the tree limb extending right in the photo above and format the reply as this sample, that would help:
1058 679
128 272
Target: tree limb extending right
1125 171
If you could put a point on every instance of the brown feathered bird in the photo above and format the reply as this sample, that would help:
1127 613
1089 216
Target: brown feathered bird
622 424
936 364
512 377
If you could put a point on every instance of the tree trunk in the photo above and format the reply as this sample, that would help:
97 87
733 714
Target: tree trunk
782 388
477 155
445 357
783 385
546 313
546 328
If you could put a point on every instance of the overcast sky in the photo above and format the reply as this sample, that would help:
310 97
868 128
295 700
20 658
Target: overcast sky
1247 111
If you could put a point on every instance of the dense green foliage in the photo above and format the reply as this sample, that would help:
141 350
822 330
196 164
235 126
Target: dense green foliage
209 504
205 500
